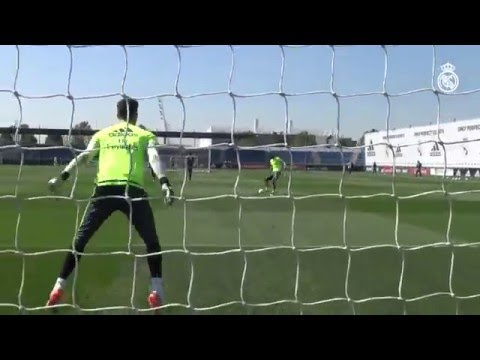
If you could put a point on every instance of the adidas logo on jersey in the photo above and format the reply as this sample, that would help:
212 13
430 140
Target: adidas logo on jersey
122 132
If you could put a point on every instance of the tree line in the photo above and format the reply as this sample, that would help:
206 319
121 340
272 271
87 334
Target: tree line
77 141
251 139
303 138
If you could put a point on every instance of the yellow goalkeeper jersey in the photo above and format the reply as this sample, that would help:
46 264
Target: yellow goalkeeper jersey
277 164
122 151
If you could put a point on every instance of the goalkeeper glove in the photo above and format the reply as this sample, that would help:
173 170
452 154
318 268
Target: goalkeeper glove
167 190
56 183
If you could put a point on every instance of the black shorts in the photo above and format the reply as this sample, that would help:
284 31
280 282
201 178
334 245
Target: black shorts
101 207
274 176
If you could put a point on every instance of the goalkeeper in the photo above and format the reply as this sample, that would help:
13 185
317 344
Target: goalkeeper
121 149
277 164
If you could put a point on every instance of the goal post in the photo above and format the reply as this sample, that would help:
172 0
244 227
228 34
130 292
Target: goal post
179 163
176 158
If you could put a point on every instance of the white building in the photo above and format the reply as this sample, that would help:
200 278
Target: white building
461 149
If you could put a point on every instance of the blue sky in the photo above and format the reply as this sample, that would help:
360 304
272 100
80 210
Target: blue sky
152 70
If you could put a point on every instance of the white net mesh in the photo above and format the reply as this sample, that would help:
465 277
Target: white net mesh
184 202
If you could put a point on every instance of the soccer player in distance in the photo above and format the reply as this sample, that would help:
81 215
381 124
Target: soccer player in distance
190 160
277 164
418 172
121 149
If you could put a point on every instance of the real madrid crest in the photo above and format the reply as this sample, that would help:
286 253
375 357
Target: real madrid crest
448 81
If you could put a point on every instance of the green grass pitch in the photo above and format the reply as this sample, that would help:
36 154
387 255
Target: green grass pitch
214 226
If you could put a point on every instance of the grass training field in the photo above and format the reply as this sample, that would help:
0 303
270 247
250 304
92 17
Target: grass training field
271 275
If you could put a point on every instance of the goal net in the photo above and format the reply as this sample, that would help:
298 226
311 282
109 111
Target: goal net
328 240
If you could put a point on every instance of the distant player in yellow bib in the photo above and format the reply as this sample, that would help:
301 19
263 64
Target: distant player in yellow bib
277 165
121 150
